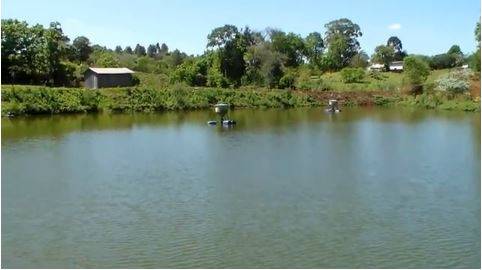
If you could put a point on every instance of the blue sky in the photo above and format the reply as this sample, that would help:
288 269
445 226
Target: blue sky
424 26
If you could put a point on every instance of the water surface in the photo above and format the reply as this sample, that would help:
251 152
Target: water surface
284 188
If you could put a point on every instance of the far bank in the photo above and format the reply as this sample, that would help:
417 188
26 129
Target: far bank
26 99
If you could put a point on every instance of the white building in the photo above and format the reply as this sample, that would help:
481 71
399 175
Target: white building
376 66
396 66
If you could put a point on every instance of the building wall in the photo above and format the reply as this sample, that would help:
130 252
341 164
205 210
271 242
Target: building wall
90 81
113 80
94 80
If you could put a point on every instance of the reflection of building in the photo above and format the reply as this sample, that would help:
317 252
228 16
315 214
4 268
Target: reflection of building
107 77
396 66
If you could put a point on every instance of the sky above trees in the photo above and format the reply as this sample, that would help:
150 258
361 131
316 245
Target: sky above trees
425 27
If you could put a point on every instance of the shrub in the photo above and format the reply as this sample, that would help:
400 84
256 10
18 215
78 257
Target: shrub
416 71
375 74
454 82
352 75
135 80
287 81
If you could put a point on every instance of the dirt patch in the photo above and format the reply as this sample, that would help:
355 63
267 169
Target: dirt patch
363 98
475 87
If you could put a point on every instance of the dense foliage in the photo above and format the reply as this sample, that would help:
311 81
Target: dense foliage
352 75
416 71
38 99
234 57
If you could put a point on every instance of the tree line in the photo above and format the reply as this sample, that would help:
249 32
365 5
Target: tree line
233 56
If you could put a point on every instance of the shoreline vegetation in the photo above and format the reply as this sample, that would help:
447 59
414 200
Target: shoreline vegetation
152 95
43 70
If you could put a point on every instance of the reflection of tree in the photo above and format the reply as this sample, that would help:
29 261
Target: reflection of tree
275 120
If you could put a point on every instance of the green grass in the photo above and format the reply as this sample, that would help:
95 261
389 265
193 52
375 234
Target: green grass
388 81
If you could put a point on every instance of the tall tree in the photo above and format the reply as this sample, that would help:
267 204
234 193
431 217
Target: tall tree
139 50
360 60
384 55
164 49
128 50
341 37
291 45
456 55
230 49
314 48
397 46
82 48
118 49
151 50
221 35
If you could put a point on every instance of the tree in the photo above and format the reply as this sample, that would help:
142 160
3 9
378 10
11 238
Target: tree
335 58
441 61
151 50
82 48
107 60
291 45
475 58
176 58
128 50
384 55
456 55
360 60
230 49
263 65
163 50
140 50
221 35
396 44
477 34
341 38
118 49
416 71
314 48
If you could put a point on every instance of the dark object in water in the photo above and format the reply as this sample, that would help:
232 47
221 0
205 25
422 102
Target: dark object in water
223 122
332 106
332 110
229 122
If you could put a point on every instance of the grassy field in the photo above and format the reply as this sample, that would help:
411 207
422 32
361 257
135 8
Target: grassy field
386 81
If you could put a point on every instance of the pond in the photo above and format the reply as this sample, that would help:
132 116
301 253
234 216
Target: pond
368 187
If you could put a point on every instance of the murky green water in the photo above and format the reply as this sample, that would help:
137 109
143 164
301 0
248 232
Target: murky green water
284 188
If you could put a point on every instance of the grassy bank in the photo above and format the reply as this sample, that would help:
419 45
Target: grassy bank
20 100
155 94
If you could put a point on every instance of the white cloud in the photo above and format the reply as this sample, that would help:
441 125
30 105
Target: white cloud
394 26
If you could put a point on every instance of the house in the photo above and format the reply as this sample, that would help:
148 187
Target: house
396 66
378 67
107 77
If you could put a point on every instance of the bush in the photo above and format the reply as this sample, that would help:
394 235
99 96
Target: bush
352 75
135 80
375 74
416 71
454 82
287 81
